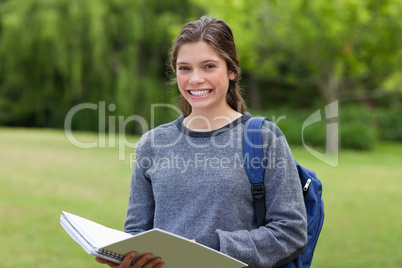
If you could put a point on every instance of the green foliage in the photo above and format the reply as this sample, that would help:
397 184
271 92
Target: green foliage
389 123
357 129
56 54
291 127
343 49
59 53
291 124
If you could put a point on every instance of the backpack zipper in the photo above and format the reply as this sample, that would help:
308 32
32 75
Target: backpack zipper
305 188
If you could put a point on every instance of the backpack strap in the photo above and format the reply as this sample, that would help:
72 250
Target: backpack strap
312 189
252 154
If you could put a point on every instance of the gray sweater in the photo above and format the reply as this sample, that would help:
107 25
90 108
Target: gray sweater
194 184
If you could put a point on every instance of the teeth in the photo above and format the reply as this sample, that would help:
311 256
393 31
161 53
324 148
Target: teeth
199 92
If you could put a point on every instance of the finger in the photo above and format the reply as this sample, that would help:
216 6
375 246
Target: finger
142 260
153 263
159 265
128 259
103 261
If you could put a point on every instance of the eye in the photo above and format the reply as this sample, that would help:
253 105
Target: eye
183 68
209 66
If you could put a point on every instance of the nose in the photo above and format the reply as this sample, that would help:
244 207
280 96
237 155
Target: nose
196 77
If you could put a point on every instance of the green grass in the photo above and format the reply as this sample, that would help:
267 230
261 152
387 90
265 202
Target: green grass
363 216
42 173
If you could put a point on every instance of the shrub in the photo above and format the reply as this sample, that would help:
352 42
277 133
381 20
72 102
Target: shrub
355 123
389 123
356 128
288 121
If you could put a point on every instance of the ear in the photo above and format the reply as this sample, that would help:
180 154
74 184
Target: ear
232 75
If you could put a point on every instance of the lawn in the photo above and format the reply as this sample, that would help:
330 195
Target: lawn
42 173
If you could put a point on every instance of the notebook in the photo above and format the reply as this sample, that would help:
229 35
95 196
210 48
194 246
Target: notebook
113 245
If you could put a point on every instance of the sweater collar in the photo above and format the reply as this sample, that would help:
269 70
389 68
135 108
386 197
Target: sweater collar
242 119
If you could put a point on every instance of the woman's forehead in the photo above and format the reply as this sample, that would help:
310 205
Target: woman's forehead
197 52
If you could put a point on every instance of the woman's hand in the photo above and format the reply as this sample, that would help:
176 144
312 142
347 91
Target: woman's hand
145 261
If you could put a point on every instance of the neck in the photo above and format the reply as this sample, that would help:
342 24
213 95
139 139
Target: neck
210 120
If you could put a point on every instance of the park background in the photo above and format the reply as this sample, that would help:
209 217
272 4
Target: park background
297 57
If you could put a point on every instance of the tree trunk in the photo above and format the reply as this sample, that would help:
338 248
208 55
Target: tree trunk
331 109
255 102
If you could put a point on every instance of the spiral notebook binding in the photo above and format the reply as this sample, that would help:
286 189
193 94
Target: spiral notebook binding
111 254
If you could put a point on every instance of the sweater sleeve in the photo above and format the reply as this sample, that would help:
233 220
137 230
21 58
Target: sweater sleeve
284 236
141 205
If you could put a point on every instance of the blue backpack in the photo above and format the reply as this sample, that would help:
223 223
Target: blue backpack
311 187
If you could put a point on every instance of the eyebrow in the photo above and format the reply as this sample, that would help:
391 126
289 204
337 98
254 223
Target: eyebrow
202 62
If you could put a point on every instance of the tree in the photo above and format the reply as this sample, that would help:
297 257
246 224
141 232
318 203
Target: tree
59 53
345 49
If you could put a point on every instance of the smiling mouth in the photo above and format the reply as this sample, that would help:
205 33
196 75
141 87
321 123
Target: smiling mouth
200 92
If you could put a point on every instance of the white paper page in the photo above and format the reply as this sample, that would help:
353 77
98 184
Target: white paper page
96 234
75 236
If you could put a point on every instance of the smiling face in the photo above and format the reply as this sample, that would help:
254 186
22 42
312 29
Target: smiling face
203 78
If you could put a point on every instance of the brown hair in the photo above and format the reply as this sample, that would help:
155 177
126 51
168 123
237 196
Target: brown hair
219 36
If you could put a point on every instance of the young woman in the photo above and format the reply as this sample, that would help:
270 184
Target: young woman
189 177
